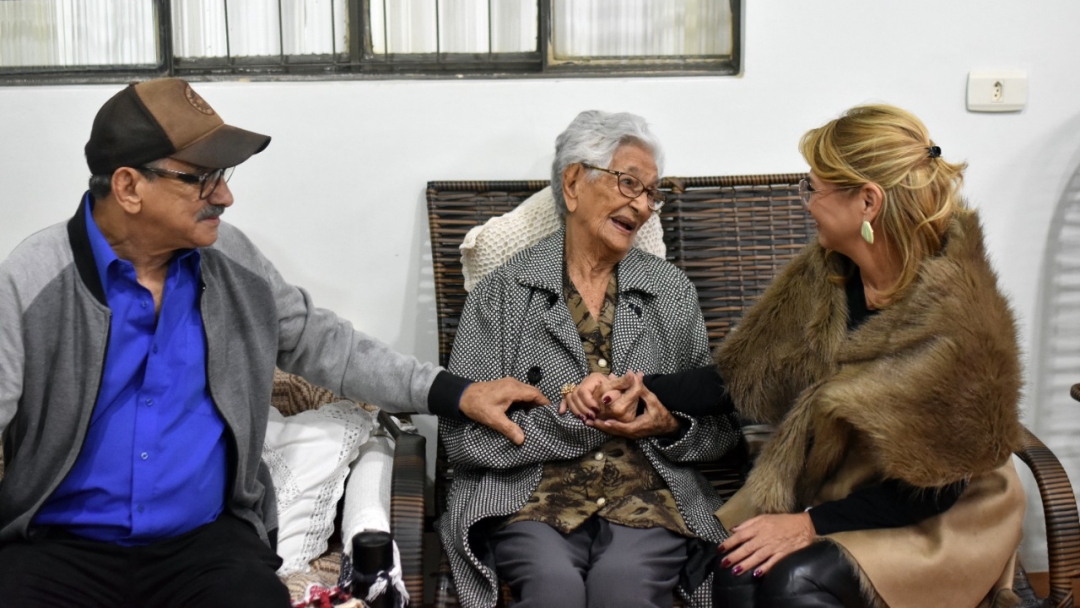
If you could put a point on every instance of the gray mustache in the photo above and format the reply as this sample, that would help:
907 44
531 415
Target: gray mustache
210 212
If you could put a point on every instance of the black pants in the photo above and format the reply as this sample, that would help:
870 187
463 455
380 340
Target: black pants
220 564
818 576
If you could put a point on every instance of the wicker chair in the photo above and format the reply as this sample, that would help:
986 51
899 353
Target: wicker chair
292 395
730 235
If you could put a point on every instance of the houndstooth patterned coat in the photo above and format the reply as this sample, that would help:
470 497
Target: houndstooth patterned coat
516 323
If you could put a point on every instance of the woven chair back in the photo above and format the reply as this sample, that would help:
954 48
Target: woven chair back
729 234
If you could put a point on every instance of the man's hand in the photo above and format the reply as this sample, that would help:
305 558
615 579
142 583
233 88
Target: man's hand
656 420
759 542
487 402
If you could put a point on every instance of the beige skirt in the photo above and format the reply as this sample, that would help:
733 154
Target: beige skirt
960 558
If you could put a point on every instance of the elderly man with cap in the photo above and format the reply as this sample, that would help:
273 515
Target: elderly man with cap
138 342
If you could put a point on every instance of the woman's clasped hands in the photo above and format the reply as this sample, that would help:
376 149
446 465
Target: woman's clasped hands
622 405
619 405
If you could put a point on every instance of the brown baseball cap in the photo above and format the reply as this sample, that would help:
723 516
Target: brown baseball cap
165 117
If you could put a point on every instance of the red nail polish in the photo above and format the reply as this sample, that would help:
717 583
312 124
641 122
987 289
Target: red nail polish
737 570
758 573
607 400
724 563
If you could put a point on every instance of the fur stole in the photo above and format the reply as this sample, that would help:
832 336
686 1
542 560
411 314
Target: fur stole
928 388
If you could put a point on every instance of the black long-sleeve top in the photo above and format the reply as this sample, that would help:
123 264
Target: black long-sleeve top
888 504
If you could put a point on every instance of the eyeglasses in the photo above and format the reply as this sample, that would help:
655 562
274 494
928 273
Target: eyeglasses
208 182
632 187
807 192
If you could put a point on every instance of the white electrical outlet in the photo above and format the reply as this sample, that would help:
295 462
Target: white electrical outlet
997 91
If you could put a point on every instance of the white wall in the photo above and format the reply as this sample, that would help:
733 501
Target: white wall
337 199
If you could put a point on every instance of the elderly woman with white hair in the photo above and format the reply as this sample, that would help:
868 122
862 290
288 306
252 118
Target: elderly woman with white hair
575 517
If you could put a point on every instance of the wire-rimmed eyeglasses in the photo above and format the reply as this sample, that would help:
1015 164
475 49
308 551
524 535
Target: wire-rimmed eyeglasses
632 187
208 182
807 192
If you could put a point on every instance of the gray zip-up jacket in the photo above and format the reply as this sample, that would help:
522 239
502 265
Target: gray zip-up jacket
54 334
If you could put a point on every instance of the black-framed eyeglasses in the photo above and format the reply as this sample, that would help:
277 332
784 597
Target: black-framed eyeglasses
807 192
208 182
632 187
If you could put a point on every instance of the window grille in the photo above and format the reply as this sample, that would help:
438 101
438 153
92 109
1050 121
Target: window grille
84 40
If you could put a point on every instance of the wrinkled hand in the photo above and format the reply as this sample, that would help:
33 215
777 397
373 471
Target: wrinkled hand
759 542
487 402
619 400
655 420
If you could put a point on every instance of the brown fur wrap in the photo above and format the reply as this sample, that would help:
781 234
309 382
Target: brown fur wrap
927 389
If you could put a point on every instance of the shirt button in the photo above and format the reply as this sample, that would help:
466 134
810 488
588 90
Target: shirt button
602 362
144 455
601 501
144 304
599 456
149 402
154 349
141 508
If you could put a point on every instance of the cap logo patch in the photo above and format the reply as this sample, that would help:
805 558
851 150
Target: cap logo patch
197 102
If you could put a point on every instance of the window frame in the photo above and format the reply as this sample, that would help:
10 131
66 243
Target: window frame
358 62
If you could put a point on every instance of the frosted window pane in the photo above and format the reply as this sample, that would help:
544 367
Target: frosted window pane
77 32
253 28
514 26
641 28
463 26
313 27
403 26
199 28
306 27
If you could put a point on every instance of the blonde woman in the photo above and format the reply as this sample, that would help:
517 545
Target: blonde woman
886 356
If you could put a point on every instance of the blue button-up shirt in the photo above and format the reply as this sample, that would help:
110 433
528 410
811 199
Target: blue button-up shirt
154 461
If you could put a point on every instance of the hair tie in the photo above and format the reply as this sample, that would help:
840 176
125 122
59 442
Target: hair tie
935 152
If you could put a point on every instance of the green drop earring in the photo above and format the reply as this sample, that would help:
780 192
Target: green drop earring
867 232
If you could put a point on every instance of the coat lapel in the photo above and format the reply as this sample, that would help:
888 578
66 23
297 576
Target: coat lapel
636 287
544 273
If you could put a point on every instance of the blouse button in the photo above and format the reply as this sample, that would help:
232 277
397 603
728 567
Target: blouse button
602 362
599 456
601 501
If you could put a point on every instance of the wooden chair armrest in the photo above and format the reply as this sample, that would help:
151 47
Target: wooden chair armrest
1059 508
407 507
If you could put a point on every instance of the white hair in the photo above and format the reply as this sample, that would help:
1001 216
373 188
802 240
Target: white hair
592 138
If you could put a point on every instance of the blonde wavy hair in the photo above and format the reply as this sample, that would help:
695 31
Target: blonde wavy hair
890 147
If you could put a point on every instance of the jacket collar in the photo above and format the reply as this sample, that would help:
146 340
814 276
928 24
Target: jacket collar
83 252
539 273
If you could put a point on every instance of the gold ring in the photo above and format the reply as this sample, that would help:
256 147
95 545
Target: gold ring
568 388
